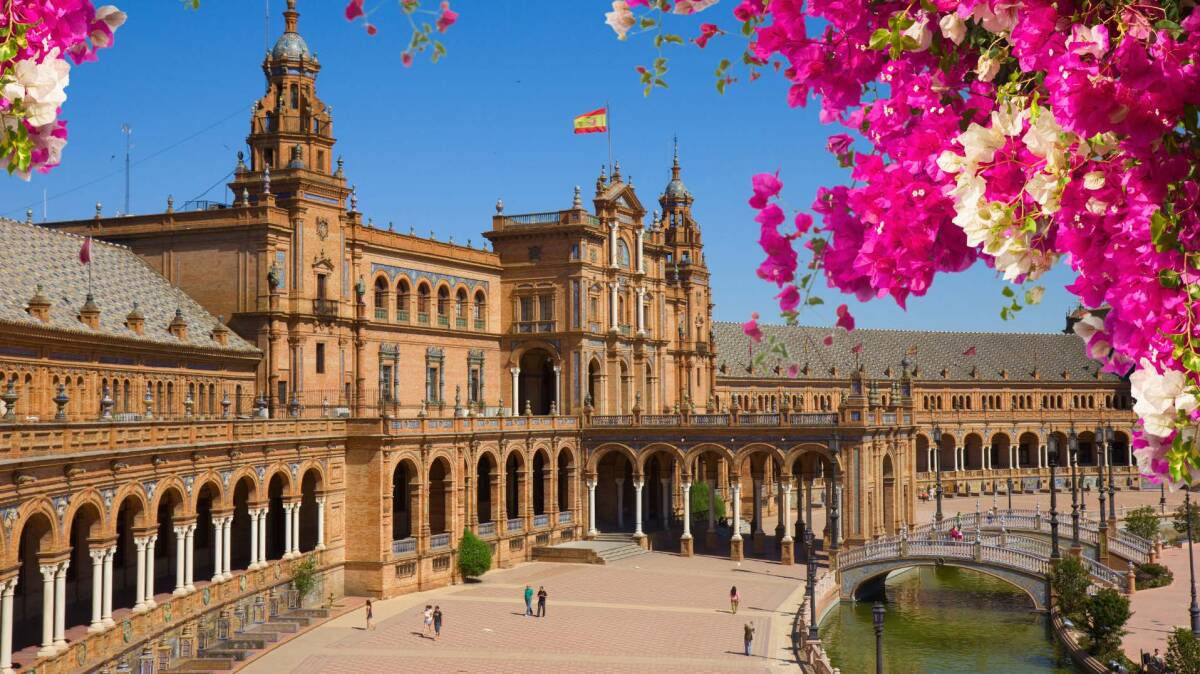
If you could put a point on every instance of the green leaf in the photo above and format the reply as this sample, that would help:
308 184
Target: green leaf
814 301
879 39
721 85
1169 278
1191 361
8 50
1007 291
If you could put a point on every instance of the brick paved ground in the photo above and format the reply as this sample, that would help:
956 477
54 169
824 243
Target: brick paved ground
657 612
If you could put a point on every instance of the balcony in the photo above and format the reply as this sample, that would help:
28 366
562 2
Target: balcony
625 330
380 314
423 318
439 541
540 521
402 316
515 525
527 327
443 321
564 517
325 308
460 323
404 546
480 324
487 528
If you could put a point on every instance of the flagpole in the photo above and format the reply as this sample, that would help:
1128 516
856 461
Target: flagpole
608 132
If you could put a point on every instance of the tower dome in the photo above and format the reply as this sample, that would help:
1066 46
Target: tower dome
291 45
676 190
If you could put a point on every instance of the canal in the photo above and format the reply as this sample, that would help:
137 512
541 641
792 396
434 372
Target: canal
942 621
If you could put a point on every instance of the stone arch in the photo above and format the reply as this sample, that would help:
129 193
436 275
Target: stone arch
174 487
698 450
281 470
999 443
972 451
594 385
888 477
89 498
440 494
406 481
34 537
314 465
540 470
651 451
924 457
312 486
130 491
32 515
255 486
441 294
797 452
859 583
749 451
598 453
565 464
209 479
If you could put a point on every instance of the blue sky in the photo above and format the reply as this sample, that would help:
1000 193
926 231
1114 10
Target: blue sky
434 146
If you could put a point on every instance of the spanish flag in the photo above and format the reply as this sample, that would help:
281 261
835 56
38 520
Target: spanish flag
595 121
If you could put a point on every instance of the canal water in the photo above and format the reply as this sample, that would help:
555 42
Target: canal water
943 621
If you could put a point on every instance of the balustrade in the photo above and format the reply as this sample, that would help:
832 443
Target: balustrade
404 546
515 525
487 528
540 521
439 541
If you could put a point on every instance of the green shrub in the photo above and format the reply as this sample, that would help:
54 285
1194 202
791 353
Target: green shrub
304 576
1180 521
1142 522
1105 616
1153 575
474 555
1070 581
699 499
1183 652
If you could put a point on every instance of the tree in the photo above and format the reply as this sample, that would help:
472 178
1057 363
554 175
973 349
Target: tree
700 495
1142 522
1181 519
304 576
1070 582
474 555
1183 652
1105 615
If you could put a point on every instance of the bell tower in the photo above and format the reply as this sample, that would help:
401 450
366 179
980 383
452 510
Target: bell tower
291 128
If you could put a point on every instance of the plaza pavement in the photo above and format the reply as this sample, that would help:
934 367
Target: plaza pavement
653 613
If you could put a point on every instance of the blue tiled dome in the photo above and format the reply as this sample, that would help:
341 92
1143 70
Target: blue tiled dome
291 45
676 189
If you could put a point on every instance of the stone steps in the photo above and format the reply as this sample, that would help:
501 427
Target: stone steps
623 552
229 654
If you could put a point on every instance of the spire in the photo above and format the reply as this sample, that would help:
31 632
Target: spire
291 17
675 162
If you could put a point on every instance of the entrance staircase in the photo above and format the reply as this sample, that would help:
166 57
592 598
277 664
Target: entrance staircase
230 654
605 548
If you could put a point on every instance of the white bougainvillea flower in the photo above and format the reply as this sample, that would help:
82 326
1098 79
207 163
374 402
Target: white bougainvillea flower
40 88
1160 397
621 18
953 28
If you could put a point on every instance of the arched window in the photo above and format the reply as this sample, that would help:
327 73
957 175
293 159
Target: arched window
380 299
402 293
623 254
479 310
295 97
423 303
443 305
460 307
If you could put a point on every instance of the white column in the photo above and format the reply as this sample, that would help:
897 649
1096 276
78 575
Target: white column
687 488
189 547
97 555
287 530
787 512
712 505
620 502
637 494
180 559
641 259
47 609
262 537
254 515
758 492
735 492
558 389
106 616
614 319
612 243
60 606
641 311
140 591
516 390
664 512
6 625
150 543
227 547
321 512
296 529
591 486
218 558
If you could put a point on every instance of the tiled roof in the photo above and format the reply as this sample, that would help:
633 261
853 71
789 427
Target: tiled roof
1017 354
32 255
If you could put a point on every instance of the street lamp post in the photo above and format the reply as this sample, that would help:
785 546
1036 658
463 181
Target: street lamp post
1072 458
937 456
1101 444
877 617
1010 488
1112 485
1194 609
1052 454
1162 498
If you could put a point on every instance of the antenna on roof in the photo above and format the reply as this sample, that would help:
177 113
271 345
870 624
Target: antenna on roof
128 131
267 25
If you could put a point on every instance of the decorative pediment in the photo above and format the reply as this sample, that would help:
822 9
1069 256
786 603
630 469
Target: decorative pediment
322 261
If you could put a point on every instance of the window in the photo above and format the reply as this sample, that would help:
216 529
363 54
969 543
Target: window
623 254
269 158
431 383
460 305
402 293
473 386
423 302
479 309
546 310
380 299
320 357
574 251
443 301
320 160
295 97
526 309
321 286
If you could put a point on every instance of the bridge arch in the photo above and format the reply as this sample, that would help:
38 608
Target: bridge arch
861 582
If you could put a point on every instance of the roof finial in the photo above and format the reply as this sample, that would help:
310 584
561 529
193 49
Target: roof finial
578 203
616 176
267 180
675 161
291 17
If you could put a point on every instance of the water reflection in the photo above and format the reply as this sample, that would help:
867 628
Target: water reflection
945 620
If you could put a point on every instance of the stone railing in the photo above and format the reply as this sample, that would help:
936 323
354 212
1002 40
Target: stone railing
1124 544
746 419
710 419
425 426
487 528
515 524
607 420
404 546
22 441
439 541
564 517
660 419
540 521
812 652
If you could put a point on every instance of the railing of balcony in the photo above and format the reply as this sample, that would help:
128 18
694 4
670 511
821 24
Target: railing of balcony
325 307
660 419
402 316
404 546
814 419
710 419
527 327
564 517
487 528
380 314
540 521
758 419
515 524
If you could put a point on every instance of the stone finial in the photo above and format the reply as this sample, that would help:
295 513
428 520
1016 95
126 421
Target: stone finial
528 408
170 203
245 197
578 201
89 314
60 401
10 398
601 181
39 306
178 326
266 180
354 198
29 216
391 228
241 165
341 165
99 209
106 403
148 401
297 161
616 174
135 321
499 207
370 222
220 333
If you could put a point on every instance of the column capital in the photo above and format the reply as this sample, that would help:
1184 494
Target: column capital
141 541
514 370
639 482
98 554
9 585
687 485
48 571
320 500
591 482
62 567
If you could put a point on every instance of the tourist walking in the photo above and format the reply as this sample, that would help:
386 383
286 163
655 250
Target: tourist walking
734 599
437 622
749 637
541 596
370 615
528 599
428 618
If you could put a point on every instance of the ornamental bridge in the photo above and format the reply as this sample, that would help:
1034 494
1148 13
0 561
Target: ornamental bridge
1021 559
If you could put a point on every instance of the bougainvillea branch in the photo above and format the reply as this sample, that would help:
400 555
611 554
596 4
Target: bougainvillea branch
1019 133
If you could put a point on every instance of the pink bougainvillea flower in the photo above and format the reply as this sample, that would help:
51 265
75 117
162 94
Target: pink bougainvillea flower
845 320
371 29
693 6
751 329
793 371
446 18
857 349
765 186
789 299
707 31
969 352
354 9
406 59
828 341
